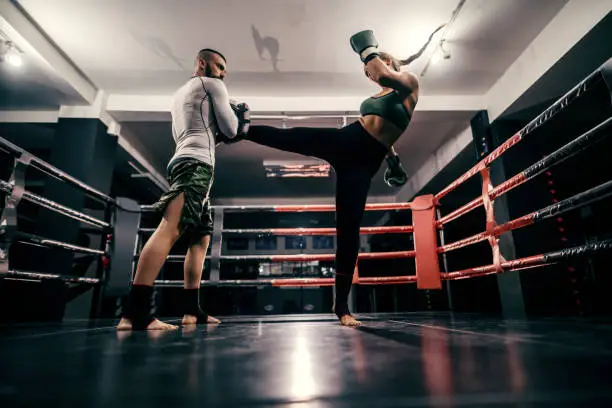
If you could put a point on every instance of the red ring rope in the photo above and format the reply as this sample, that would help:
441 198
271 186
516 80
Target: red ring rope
382 280
313 257
332 207
496 192
536 260
538 121
321 231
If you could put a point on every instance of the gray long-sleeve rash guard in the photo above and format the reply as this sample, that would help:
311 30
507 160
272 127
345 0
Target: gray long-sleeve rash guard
200 109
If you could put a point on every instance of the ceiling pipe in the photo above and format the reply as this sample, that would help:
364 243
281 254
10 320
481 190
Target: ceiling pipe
440 46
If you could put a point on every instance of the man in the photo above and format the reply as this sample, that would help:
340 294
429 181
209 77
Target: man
202 115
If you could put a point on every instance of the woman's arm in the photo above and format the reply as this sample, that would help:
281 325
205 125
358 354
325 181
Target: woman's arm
403 82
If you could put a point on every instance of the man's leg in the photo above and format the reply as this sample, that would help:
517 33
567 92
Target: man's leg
152 258
199 239
194 264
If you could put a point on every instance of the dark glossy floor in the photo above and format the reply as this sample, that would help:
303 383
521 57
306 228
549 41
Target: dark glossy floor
408 360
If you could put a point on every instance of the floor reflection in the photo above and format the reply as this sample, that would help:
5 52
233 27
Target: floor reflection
302 384
416 360
436 363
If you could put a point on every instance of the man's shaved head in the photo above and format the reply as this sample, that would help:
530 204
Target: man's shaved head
207 53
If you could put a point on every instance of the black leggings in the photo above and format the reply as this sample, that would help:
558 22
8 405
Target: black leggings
356 157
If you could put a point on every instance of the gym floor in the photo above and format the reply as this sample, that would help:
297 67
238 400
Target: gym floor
393 360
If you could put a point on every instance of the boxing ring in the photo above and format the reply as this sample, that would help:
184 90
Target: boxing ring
122 234
428 226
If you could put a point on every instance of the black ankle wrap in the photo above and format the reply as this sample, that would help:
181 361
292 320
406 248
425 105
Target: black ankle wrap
191 304
138 308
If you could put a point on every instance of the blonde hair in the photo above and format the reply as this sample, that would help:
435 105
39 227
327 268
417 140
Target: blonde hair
395 63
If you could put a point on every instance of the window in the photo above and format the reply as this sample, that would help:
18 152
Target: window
237 243
322 242
265 243
295 242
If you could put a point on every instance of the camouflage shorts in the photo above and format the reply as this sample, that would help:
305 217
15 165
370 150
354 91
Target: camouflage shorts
194 179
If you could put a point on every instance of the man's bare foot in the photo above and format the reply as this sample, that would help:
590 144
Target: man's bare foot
350 321
189 320
126 324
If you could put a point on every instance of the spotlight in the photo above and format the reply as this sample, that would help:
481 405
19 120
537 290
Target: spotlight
9 52
436 57
14 59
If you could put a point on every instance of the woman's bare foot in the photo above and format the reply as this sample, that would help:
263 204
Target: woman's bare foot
189 320
350 321
126 324
347 319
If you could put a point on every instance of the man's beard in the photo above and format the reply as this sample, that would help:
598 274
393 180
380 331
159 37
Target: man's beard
208 73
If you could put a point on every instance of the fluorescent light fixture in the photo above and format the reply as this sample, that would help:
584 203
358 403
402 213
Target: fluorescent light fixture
296 168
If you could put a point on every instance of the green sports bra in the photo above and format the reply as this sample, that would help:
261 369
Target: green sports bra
389 107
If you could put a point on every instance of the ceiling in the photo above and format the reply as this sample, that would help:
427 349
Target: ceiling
593 50
34 87
148 46
144 49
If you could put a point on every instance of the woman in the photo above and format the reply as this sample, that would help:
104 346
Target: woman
356 151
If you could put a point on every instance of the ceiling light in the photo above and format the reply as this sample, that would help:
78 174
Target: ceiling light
436 57
14 59
9 52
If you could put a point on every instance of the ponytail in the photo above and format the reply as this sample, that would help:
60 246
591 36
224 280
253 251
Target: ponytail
420 52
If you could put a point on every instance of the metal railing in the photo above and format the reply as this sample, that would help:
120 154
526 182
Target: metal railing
15 192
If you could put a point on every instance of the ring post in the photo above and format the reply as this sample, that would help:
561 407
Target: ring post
126 221
426 243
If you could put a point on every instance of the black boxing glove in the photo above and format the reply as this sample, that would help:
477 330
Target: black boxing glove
221 138
243 113
365 44
395 175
